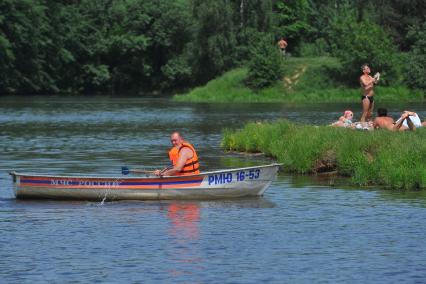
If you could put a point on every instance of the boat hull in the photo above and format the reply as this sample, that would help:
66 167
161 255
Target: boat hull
233 183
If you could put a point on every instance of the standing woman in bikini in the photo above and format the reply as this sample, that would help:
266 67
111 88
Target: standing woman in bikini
367 97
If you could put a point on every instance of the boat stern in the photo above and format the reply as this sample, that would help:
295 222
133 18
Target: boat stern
16 181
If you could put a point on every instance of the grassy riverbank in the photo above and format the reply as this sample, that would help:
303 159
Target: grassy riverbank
306 80
384 158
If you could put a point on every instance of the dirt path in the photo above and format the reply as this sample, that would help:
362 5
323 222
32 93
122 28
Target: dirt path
290 82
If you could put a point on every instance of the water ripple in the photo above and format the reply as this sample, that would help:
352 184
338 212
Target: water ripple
302 231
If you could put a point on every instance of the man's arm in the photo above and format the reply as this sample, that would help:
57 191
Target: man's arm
376 124
367 81
405 116
410 124
399 122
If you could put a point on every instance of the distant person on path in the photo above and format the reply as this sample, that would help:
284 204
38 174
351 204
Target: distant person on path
367 98
382 120
282 44
183 158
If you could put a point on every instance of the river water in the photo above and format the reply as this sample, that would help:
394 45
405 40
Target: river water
303 230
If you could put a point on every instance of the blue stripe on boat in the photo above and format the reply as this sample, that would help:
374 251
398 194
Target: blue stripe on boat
121 183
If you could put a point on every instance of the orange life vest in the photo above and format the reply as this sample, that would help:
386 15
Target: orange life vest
191 166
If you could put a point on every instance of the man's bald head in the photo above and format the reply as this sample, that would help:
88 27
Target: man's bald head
176 139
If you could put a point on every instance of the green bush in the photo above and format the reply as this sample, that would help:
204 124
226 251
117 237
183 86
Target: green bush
416 63
313 49
264 67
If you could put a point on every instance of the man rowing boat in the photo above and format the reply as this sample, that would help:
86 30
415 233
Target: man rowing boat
183 157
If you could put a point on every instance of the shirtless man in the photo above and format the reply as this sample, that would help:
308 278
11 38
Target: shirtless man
383 120
367 97
282 44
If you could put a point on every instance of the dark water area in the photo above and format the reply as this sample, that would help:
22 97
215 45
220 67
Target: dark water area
303 230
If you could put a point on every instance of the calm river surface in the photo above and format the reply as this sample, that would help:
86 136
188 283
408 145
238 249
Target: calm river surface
304 230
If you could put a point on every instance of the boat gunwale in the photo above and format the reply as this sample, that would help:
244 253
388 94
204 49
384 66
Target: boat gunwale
15 174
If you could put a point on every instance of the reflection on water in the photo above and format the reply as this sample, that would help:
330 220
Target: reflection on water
185 233
306 229
184 219
186 249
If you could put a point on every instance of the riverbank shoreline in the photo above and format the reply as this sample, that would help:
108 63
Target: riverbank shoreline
381 158
305 81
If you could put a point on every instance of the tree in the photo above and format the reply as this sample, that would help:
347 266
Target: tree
416 65
397 16
357 43
291 20
265 64
250 17
214 44
25 47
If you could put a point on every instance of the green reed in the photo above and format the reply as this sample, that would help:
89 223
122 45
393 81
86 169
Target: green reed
389 159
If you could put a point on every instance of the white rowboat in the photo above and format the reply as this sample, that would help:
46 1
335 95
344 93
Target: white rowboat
232 183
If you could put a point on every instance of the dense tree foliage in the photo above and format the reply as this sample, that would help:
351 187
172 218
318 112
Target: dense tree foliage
133 46
264 67
291 21
214 38
364 42
416 65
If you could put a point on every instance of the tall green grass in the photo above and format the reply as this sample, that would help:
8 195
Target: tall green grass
390 159
315 84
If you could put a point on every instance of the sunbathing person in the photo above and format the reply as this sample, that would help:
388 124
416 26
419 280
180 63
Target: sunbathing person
409 120
383 121
345 120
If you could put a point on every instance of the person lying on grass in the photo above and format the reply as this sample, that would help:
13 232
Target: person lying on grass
345 120
409 120
383 120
